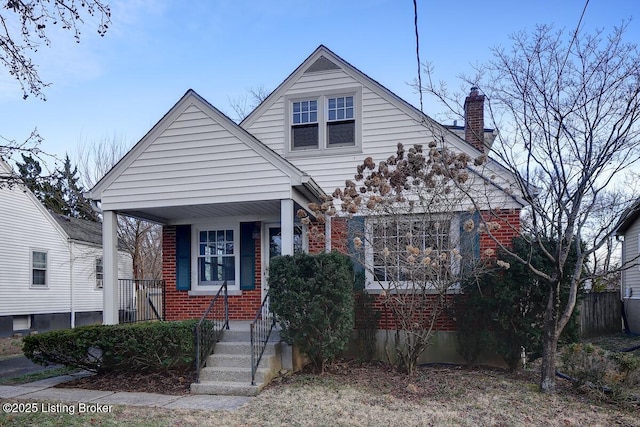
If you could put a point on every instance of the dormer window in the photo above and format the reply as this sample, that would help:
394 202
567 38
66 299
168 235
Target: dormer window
323 123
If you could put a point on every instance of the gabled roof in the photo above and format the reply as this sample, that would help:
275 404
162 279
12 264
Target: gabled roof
323 59
80 230
299 179
68 228
628 218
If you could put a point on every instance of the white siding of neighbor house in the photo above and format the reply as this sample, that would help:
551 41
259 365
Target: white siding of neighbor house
195 160
384 125
631 275
25 226
86 296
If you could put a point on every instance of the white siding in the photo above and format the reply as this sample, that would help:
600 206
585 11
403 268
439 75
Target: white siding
631 275
195 160
384 125
86 296
24 227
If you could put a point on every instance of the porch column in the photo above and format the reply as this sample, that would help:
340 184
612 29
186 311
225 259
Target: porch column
286 226
110 267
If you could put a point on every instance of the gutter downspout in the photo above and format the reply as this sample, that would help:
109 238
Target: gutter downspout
71 300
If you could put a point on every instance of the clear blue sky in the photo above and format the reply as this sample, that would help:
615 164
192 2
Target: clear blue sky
155 50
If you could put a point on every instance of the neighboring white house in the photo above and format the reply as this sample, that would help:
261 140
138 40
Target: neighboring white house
629 231
50 265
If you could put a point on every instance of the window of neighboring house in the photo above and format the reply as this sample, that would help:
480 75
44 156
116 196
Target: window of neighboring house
324 122
38 268
216 257
99 273
402 247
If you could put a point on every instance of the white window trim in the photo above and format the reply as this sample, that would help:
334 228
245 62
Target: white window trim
46 272
196 288
322 97
373 286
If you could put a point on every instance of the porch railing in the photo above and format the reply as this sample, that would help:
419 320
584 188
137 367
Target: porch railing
209 329
260 328
140 300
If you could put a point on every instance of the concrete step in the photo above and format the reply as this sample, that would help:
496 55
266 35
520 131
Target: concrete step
238 360
245 336
226 388
239 375
236 347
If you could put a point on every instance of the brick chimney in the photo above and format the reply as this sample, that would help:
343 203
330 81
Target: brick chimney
474 119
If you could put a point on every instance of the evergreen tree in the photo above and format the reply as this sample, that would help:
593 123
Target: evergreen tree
59 192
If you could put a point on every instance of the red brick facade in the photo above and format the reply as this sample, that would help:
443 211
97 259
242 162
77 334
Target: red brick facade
179 305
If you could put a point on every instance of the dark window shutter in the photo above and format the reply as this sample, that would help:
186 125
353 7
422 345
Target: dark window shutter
247 257
183 257
469 241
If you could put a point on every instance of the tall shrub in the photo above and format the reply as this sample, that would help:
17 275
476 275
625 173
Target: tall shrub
312 297
503 311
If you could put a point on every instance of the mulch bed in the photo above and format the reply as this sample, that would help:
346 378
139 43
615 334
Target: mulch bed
157 382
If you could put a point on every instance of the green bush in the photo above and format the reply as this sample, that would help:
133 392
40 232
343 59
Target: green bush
611 375
503 310
149 346
312 297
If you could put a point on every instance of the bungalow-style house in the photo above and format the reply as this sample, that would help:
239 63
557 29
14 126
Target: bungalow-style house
212 183
50 265
628 230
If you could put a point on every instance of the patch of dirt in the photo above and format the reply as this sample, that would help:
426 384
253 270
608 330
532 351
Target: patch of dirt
10 346
156 382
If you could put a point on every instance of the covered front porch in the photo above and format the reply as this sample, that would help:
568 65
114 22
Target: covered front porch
206 245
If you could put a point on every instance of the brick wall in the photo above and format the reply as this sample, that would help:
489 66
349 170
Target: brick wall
180 306
506 225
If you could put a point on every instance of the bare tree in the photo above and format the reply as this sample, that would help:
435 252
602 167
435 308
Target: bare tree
417 238
567 111
24 28
242 106
142 239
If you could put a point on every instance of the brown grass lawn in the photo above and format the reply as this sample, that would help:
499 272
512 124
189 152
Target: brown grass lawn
355 394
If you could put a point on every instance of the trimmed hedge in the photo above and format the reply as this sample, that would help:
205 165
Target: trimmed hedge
312 297
148 346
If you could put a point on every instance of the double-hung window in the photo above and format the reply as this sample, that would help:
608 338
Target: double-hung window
38 268
324 122
216 257
340 122
304 129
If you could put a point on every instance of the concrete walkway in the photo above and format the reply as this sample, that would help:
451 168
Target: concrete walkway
44 390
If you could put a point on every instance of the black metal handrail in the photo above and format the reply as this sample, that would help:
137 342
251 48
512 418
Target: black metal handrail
209 329
260 328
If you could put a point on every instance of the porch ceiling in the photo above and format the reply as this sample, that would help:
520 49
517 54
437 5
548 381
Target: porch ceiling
173 214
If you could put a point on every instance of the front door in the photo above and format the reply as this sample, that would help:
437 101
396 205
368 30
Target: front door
273 247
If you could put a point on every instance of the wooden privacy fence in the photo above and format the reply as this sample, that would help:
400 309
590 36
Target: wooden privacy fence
600 314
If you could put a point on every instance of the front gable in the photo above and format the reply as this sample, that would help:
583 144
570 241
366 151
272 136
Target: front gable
382 120
194 156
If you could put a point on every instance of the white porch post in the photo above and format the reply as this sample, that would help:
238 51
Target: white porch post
286 226
110 267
